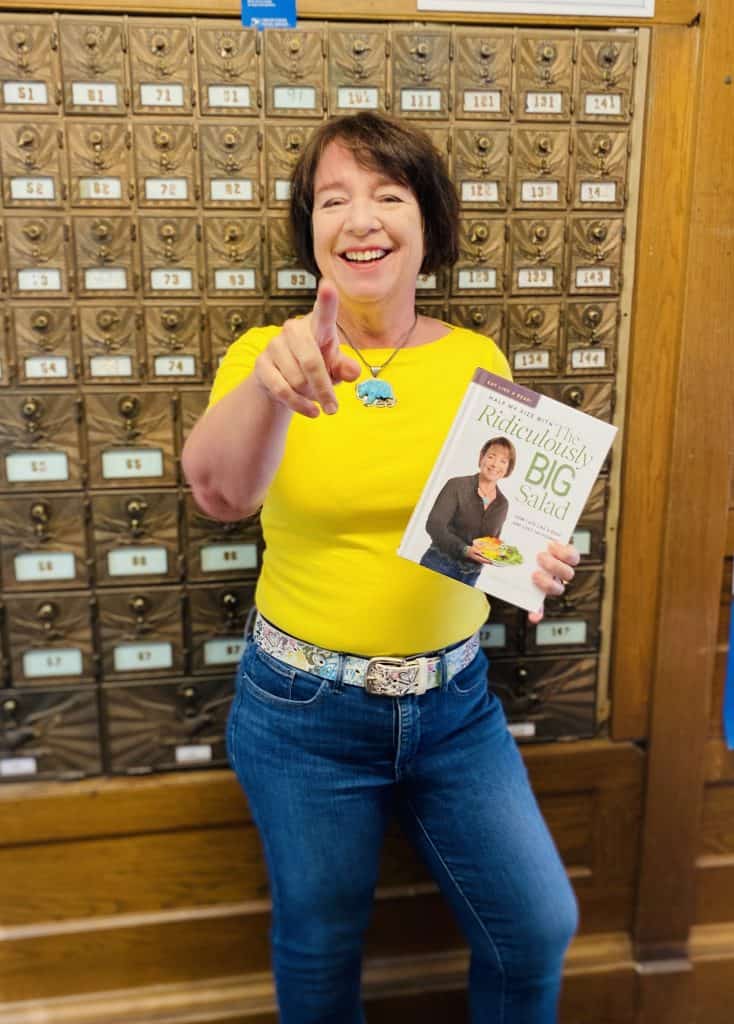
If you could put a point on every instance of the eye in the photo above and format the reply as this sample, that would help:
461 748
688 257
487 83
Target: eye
390 198
333 201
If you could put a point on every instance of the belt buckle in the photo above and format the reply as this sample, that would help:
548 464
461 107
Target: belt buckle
396 677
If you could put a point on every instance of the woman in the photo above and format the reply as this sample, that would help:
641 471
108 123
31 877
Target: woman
467 508
363 691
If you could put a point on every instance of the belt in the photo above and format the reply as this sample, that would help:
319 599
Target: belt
388 677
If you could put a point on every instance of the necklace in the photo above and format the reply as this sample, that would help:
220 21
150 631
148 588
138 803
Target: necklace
376 393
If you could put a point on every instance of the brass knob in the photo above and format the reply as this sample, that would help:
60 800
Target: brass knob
139 605
230 602
158 44
359 46
293 142
106 318
592 316
102 229
521 674
608 56
230 139
484 143
544 144
485 51
95 137
20 40
10 706
598 231
40 512
294 45
167 231
136 507
162 138
27 139
226 46
128 406
602 145
41 322
90 40
31 408
235 320
170 319
539 233
33 231
478 318
232 233
478 233
422 51
534 317
547 53
47 612
574 396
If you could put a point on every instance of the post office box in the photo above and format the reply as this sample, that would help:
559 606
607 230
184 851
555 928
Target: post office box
440 136
432 285
99 163
7 363
230 165
234 257
284 145
39 438
49 734
161 65
93 65
547 698
37 262
535 338
591 337
109 343
606 76
480 268
595 255
218 615
44 348
503 632
589 533
171 259
420 59
293 64
279 312
140 632
593 397
50 638
482 167
44 543
29 64
130 438
435 310
135 536
357 68
217 550
31 161
483 73
483 317
105 256
541 159
165 164
600 169
544 72
537 255
228 68
571 623
227 322
174 337
153 727
191 406
287 277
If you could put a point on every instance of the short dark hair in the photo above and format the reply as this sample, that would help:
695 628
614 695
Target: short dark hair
502 442
401 151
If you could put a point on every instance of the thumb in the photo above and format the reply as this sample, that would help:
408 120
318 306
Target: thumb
323 316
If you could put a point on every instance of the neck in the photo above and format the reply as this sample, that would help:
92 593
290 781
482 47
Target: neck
487 490
376 327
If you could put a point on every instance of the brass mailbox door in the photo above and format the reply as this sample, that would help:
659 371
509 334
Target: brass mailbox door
39 438
110 351
165 164
105 256
161 60
600 169
504 631
170 252
293 65
44 542
29 68
228 68
480 268
357 68
591 337
606 77
174 337
547 698
286 276
31 163
50 639
537 256
99 163
227 322
218 616
140 632
541 157
544 74
135 536
483 74
7 363
421 63
283 147
483 317
482 167
93 65
44 344
230 165
595 255
130 438
593 397
279 312
571 622
191 406
535 338
234 255
589 533
220 550
37 261
49 734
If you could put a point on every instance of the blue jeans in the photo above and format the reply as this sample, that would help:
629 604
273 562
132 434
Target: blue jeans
325 765
463 570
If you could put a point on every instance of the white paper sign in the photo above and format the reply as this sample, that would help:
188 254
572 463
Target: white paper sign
32 280
295 280
534 359
53 661
46 367
29 93
539 192
174 366
171 280
282 189
425 282
581 540
198 753
153 95
300 97
485 277
224 651
229 96
145 560
125 463
493 635
420 100
562 631
588 358
105 279
94 94
10 766
543 103
536 277
480 192
232 190
111 366
234 280
594 8
100 188
598 191
594 277
225 557
350 98
166 188
139 657
32 188
482 101
26 466
44 565
603 104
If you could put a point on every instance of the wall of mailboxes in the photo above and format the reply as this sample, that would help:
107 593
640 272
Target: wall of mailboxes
145 168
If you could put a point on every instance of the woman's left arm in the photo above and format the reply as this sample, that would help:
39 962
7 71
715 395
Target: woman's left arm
556 569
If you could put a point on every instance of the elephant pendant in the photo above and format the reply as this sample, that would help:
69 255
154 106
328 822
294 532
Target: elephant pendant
376 394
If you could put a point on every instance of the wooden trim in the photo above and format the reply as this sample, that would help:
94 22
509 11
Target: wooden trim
696 520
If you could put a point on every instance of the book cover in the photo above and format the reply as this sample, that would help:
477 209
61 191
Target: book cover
514 473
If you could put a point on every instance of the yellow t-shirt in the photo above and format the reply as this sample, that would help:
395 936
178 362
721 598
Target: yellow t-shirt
343 494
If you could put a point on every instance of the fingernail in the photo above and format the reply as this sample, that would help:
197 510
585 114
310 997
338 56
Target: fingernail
330 408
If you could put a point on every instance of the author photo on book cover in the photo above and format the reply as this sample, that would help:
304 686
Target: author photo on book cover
467 509
362 691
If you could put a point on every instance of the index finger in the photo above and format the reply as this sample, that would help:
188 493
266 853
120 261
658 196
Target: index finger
323 316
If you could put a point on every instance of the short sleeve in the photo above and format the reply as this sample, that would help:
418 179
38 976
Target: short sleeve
239 361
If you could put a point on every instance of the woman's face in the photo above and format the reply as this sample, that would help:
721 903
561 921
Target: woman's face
367 230
494 464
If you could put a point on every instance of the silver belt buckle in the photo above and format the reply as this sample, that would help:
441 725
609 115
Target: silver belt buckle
396 677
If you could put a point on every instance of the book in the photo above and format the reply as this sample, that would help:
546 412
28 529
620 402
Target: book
514 473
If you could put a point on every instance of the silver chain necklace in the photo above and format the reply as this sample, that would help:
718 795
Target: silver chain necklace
378 394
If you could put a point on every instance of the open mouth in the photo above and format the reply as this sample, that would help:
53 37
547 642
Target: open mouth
364 256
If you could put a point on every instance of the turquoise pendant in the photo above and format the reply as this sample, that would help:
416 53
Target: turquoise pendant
377 394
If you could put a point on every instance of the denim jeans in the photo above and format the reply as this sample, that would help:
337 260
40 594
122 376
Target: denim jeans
463 570
325 765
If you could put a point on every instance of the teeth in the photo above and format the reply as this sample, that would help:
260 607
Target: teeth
365 255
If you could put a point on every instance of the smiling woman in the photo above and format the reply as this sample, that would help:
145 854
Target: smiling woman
362 689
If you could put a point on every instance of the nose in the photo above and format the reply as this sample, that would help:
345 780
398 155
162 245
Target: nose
363 217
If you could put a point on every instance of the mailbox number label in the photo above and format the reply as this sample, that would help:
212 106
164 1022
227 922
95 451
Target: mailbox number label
46 367
94 94
560 631
224 651
226 557
52 662
154 95
44 565
137 561
32 188
26 466
30 93
132 462
139 657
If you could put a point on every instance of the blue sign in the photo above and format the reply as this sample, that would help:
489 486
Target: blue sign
729 688
262 14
